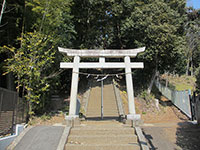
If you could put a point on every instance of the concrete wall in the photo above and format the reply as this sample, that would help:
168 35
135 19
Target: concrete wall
6 141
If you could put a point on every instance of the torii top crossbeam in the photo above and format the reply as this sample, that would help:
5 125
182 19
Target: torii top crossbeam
102 53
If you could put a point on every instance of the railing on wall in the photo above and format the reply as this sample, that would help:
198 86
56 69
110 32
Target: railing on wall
13 110
119 101
180 99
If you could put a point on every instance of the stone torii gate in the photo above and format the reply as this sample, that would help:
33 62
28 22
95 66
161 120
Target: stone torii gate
102 54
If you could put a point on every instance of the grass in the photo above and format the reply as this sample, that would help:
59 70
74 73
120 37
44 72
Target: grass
45 117
182 87
180 83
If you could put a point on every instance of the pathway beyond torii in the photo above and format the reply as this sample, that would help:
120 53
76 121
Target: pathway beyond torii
110 108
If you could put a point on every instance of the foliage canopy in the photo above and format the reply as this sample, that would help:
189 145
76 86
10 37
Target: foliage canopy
33 29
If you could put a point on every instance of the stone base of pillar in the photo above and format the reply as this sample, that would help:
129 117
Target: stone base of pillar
72 121
133 120
133 117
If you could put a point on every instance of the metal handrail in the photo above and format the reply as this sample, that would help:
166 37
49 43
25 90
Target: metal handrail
119 100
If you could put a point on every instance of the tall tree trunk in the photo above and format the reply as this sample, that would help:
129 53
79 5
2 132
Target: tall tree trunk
23 22
167 80
192 69
2 10
44 15
187 68
152 81
10 82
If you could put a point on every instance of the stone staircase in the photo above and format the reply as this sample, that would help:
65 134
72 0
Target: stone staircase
107 134
102 135
109 103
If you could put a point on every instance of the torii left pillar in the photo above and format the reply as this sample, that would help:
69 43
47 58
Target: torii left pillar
74 88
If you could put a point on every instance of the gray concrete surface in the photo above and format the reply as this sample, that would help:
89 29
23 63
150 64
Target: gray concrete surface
157 139
64 138
6 141
141 139
41 138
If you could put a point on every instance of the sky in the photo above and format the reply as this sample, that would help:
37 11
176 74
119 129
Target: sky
194 3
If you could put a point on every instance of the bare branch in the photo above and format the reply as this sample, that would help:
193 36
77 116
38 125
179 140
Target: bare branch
55 74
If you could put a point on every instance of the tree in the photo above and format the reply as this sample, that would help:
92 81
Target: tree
113 24
31 66
198 80
193 40
124 24
10 29
158 25
11 23
52 17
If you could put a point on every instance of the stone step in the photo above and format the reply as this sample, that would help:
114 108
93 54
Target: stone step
102 139
131 146
103 124
110 106
99 104
98 115
104 107
104 102
102 127
105 111
101 131
109 102
96 106
104 114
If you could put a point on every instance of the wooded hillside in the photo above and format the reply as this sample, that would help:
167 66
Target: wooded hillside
32 30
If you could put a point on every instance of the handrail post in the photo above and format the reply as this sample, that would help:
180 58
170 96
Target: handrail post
102 99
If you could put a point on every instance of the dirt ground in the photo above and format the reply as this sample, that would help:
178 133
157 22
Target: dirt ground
51 119
169 129
166 112
166 127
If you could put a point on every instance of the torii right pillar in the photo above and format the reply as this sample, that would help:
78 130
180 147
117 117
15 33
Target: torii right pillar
132 117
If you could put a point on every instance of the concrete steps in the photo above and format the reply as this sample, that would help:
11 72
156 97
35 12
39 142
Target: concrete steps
102 139
102 131
107 113
131 146
102 135
109 102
